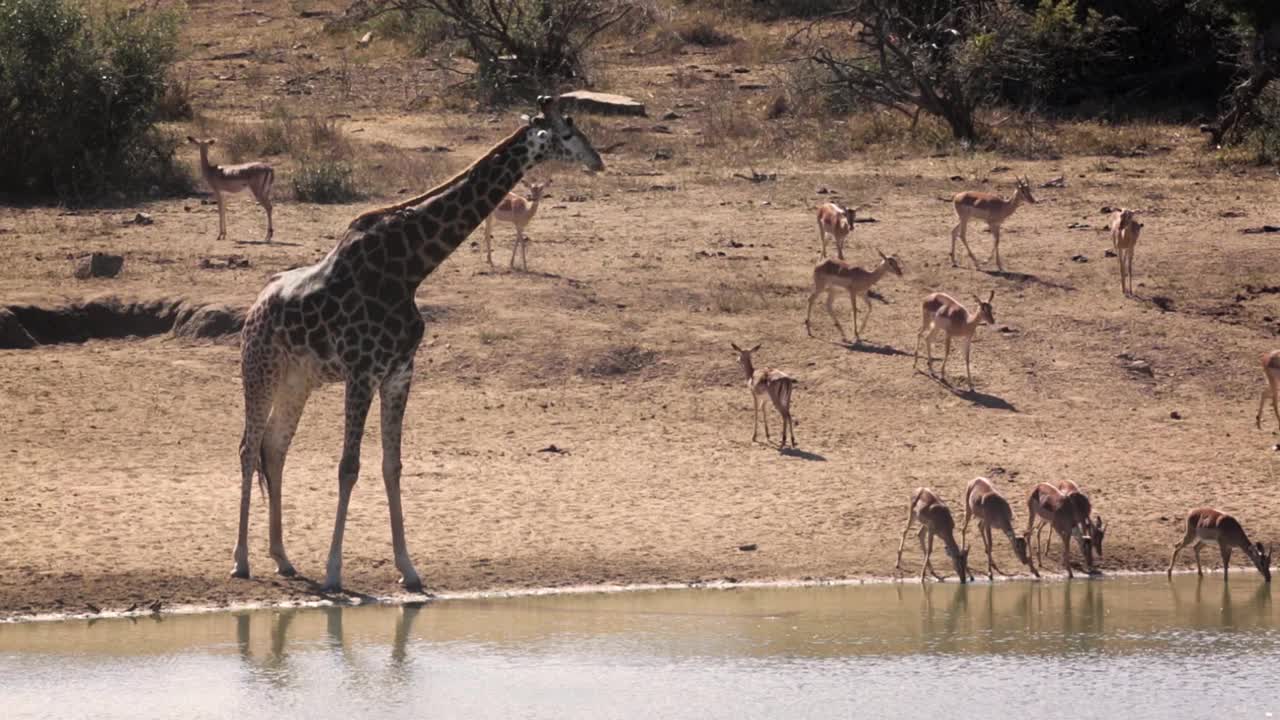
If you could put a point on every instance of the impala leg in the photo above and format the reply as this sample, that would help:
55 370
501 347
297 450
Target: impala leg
945 355
867 317
1066 554
968 341
808 316
764 418
903 542
1226 560
822 239
755 417
1177 548
1197 548
925 549
222 215
515 249
915 361
830 305
262 193
839 247
995 231
985 531
964 238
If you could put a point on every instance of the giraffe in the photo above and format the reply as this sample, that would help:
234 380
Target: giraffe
352 318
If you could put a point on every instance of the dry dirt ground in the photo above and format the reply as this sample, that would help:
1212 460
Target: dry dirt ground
121 474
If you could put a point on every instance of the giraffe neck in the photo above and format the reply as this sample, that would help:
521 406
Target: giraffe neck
435 223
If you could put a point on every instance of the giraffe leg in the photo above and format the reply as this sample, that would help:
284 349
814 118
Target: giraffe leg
290 398
258 391
395 395
359 395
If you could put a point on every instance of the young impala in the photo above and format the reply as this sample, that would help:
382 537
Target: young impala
256 177
1095 528
983 501
832 275
935 520
772 384
989 207
1124 239
1271 369
837 222
1066 515
1206 525
943 313
518 211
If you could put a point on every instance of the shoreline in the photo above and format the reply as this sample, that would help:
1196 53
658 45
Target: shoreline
197 608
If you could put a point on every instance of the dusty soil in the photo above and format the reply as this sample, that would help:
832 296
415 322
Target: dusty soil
121 482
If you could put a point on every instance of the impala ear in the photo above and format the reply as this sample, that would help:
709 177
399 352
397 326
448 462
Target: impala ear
735 347
881 254
192 140
991 297
757 347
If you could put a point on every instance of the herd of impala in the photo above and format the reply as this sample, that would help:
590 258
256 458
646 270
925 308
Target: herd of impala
1065 509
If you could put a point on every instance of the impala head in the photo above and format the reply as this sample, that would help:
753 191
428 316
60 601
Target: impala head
986 313
1096 532
895 267
1024 190
850 215
555 138
744 356
960 560
202 144
536 189
1261 557
1020 547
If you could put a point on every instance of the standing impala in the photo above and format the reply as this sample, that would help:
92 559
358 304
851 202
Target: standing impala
983 501
989 207
1271 369
518 211
1067 515
1124 239
935 520
767 383
837 222
256 177
832 275
943 313
1207 525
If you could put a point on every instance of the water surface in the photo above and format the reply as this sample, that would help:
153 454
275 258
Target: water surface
1121 647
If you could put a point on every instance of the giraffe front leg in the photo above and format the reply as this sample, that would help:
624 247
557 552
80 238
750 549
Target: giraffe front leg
359 395
395 395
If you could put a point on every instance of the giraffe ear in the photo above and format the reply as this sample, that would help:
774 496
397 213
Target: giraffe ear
548 105
524 118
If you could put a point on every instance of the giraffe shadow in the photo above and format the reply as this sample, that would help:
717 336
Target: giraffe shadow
344 596
981 399
1026 277
281 243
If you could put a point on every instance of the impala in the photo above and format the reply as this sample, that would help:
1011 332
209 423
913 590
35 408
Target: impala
1124 239
767 383
1207 525
943 313
837 222
935 520
989 207
832 275
983 501
518 211
1067 515
256 177
1271 369
1093 527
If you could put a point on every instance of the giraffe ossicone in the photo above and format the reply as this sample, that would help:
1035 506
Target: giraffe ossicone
352 318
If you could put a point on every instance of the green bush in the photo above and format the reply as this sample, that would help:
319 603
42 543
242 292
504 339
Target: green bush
79 93
325 181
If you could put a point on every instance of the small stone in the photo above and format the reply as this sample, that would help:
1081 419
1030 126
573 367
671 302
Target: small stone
142 219
1079 258
1175 415
671 115
366 39
99 265
749 547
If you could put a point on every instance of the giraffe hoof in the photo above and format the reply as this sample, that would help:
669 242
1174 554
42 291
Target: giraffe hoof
240 572
286 570
331 587
413 585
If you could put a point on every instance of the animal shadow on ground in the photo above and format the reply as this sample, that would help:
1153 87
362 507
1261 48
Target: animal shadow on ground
981 399
342 596
281 243
863 346
802 454
1027 277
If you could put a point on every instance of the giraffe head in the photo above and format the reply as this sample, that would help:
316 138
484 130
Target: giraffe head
553 137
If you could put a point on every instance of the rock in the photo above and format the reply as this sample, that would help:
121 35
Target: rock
1109 253
1079 258
749 547
602 103
208 321
752 86
365 40
1142 367
1058 182
671 115
141 219
99 265
1175 415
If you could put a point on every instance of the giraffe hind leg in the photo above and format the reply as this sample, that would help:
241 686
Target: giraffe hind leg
259 388
290 399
